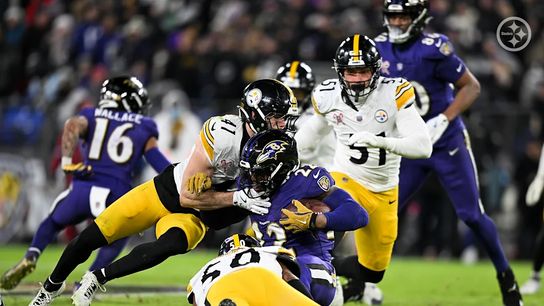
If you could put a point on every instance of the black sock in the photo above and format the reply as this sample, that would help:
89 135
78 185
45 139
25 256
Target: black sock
100 276
50 286
77 252
297 284
145 256
538 259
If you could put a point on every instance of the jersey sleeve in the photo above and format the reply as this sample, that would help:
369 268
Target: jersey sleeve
151 127
318 182
323 96
449 67
404 95
207 138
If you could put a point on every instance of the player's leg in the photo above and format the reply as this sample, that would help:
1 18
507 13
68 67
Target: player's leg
532 285
457 173
128 215
374 242
66 210
413 173
318 276
176 234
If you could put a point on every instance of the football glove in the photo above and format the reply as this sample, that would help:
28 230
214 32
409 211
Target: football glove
534 192
251 200
366 139
302 219
78 170
437 126
198 183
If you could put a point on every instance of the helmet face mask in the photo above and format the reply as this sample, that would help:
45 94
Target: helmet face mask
237 241
299 77
416 10
125 94
266 161
357 55
267 99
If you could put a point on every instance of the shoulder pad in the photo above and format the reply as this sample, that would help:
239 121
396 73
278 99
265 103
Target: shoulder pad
404 94
324 94
381 38
435 46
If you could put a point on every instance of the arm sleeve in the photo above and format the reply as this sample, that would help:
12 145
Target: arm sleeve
346 214
414 141
156 159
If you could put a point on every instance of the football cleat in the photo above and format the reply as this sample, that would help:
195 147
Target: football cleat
13 276
45 297
509 289
87 289
531 286
352 291
372 295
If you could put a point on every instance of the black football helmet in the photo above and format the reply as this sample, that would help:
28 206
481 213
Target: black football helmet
299 77
357 51
237 240
418 10
266 160
124 93
265 99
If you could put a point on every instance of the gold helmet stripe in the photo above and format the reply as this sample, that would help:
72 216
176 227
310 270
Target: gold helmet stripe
236 239
356 47
293 70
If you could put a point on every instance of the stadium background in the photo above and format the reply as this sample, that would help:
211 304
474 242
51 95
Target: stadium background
195 57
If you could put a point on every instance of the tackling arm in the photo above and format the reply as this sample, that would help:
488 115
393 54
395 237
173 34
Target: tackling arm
74 128
154 156
199 162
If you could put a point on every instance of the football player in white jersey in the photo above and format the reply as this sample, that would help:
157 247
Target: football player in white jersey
300 78
230 279
174 201
376 124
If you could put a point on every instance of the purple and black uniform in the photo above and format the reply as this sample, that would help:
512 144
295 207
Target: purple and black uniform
312 248
113 145
429 62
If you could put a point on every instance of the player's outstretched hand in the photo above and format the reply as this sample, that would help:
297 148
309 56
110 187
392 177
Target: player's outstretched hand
251 200
78 170
437 126
300 220
366 139
198 183
534 192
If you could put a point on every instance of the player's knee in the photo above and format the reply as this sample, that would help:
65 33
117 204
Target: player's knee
470 218
91 238
227 302
174 242
387 238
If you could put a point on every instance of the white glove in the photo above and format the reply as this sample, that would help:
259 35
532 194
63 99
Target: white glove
251 200
437 126
534 191
366 139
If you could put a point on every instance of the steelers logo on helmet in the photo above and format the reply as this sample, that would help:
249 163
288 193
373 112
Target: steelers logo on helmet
381 116
254 96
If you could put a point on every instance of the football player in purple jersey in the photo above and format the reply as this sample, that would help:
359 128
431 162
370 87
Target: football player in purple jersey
445 88
114 136
270 164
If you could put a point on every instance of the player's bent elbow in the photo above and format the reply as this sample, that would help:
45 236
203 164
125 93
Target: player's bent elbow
186 199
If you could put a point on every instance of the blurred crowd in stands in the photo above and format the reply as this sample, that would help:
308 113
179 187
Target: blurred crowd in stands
195 57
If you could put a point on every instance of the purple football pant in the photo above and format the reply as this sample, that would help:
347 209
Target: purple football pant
453 164
317 275
71 207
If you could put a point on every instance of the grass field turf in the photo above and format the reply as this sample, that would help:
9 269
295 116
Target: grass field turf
408 282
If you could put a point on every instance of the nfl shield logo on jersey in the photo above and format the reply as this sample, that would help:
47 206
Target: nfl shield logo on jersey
381 116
